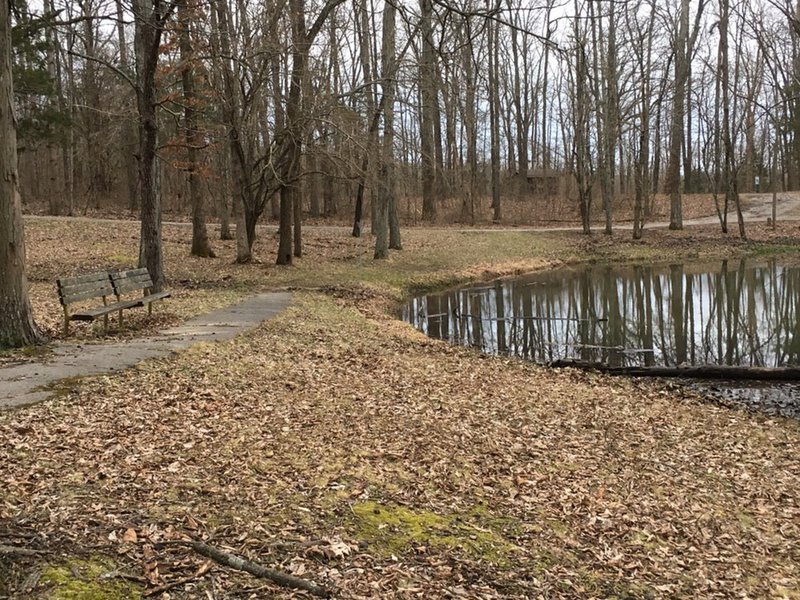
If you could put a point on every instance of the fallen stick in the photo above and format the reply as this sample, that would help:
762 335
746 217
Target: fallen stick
9 550
242 564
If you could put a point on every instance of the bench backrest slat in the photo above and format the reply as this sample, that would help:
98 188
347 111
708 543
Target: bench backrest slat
84 287
131 281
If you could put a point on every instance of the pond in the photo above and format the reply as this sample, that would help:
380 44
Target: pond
734 312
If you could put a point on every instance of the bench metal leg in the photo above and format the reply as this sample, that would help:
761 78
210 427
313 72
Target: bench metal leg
120 320
105 316
66 321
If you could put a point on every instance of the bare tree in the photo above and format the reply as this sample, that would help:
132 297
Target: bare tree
584 171
150 18
386 190
643 41
682 47
494 114
186 18
428 110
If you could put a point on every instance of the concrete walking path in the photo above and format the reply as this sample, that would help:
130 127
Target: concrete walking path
23 384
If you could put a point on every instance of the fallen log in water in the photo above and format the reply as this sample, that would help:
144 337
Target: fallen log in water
693 372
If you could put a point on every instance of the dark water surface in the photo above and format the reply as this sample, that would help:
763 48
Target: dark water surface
736 312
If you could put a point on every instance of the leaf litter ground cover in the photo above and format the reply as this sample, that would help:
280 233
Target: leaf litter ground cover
344 447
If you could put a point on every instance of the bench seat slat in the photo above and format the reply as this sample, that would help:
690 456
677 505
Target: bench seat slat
153 297
92 313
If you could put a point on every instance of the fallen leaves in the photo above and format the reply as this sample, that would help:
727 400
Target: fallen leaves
492 478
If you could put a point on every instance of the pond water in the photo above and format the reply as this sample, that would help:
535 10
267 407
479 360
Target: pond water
735 312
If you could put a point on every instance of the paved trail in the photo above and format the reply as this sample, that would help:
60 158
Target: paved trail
22 384
755 209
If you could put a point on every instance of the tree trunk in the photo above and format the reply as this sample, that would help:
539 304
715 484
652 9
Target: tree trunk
603 118
494 119
147 38
200 244
289 214
677 125
17 327
129 132
427 113
521 119
471 128
729 169
642 167
386 190
223 204
241 190
580 115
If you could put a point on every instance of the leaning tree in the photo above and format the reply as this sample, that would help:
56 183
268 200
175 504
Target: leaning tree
16 318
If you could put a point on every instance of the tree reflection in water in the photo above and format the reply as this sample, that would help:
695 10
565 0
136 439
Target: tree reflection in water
731 313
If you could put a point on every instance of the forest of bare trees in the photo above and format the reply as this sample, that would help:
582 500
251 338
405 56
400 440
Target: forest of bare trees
381 112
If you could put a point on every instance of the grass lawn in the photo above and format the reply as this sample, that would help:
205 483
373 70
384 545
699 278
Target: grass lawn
339 444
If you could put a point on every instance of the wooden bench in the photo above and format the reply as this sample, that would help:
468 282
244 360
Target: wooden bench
105 285
126 282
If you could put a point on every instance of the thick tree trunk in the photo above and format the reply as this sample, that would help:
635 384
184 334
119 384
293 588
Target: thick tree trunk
17 327
200 244
147 41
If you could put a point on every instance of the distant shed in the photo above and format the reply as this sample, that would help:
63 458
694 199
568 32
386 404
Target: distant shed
544 182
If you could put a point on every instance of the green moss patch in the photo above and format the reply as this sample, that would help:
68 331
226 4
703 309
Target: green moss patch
397 529
86 580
